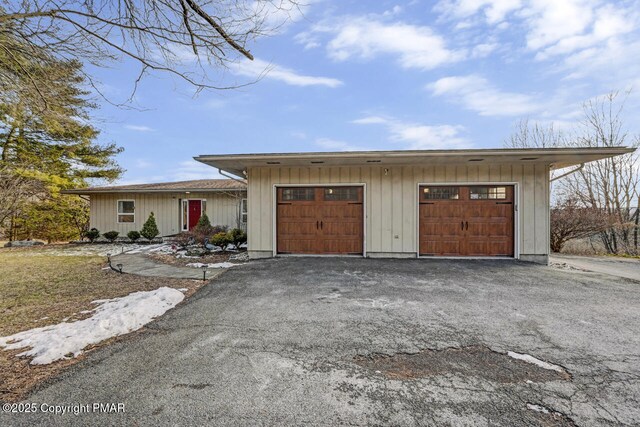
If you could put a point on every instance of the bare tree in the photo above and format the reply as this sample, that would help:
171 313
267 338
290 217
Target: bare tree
15 190
609 186
535 135
161 35
570 220
237 196
528 134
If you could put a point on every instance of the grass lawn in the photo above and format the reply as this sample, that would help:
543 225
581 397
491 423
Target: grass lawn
39 289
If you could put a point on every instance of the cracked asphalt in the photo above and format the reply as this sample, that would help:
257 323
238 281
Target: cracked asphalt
275 342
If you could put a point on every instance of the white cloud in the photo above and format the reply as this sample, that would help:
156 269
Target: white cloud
371 120
139 128
307 39
552 21
185 170
337 145
552 28
262 69
484 49
477 94
494 11
416 136
190 169
366 38
215 104
606 25
143 164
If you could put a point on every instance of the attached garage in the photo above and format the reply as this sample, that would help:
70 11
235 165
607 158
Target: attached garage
457 220
403 204
320 220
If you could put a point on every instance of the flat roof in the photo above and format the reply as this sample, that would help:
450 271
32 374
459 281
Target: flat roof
557 158
201 185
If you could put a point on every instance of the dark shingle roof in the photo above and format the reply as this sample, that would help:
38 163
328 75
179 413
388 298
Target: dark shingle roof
167 187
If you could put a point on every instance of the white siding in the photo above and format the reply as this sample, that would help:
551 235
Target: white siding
221 208
391 200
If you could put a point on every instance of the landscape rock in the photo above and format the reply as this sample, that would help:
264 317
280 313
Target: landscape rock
242 256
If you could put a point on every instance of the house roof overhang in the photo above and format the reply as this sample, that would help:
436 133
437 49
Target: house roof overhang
194 186
556 158
89 191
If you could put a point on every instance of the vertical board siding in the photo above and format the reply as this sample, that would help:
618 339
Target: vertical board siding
221 208
396 210
408 209
528 223
374 210
391 199
540 214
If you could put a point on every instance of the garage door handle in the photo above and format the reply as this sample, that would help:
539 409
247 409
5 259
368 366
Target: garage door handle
467 223
317 225
461 225
503 203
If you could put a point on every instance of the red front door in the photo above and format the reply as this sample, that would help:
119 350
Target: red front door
195 210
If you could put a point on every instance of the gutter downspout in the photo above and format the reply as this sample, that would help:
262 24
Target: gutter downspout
579 168
231 177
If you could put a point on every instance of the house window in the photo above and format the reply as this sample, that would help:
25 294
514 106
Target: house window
185 215
486 192
243 210
126 210
441 193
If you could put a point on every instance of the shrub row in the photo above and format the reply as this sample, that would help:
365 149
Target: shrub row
149 231
217 235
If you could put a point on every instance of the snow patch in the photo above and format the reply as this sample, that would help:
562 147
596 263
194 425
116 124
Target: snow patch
537 408
530 359
112 318
216 265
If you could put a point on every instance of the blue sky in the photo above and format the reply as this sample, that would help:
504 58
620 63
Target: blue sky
355 75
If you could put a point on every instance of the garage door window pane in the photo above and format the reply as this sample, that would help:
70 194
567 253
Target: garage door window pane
441 193
486 192
341 194
293 194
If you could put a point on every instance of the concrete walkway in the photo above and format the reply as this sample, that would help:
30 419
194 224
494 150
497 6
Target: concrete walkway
627 268
143 266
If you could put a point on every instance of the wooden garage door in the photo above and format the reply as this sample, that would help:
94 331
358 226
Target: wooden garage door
320 220
466 220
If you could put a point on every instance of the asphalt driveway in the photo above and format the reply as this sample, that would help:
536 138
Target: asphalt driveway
333 341
628 268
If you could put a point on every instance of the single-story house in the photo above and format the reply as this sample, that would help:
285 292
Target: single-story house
177 206
405 204
418 203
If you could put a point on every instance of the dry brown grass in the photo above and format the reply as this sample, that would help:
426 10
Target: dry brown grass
40 290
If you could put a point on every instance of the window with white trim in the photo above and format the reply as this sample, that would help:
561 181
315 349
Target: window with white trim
243 210
126 211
